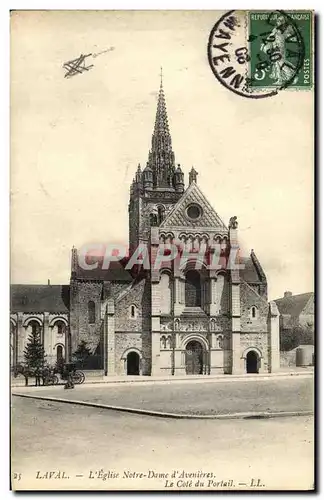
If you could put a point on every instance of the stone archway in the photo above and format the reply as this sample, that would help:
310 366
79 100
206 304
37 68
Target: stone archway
252 362
194 358
133 363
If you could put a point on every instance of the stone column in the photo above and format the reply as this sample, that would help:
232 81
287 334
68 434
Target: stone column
179 365
176 295
213 305
21 333
47 338
178 285
110 325
236 329
155 322
67 347
235 299
14 340
179 368
273 338
155 306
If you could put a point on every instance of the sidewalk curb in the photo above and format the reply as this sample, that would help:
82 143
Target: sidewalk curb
191 379
153 413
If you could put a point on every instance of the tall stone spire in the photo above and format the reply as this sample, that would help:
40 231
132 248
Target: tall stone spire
161 157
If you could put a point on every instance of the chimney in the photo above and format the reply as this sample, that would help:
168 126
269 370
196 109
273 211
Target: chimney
48 281
288 294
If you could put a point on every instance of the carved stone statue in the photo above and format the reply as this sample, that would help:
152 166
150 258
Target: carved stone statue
233 222
153 220
193 176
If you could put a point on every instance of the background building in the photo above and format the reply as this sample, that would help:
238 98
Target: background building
296 310
43 308
297 328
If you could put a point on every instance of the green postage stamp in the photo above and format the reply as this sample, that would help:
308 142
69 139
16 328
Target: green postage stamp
280 44
257 54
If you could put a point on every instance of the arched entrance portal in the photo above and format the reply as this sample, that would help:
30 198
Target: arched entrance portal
133 363
252 362
194 358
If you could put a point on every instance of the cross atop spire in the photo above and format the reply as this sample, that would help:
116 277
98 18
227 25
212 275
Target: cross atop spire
161 156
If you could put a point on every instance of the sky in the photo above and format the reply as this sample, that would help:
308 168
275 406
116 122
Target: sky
76 142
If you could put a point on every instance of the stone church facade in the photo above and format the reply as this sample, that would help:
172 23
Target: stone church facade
183 316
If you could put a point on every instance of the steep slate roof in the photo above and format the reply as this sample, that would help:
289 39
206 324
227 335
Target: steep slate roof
294 304
39 298
115 272
249 273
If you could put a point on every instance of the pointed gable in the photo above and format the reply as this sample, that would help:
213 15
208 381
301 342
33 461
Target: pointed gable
179 216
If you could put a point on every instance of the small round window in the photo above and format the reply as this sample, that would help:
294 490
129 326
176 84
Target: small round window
194 211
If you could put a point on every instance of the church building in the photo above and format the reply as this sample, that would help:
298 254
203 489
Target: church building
182 317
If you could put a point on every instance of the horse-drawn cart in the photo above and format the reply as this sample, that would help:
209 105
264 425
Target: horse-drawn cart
44 374
47 375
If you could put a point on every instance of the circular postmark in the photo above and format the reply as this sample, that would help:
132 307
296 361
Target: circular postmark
256 54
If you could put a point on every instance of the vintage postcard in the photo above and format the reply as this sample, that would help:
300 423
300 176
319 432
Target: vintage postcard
162 213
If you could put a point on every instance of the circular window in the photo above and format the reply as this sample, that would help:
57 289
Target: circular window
194 211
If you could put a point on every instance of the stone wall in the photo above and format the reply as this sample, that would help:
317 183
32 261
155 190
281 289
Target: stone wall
141 206
82 292
133 332
250 298
149 206
288 358
225 295
125 341
81 330
133 217
254 332
133 297
258 340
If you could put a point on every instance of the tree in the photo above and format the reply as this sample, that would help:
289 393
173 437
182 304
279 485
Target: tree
296 336
82 354
34 353
59 365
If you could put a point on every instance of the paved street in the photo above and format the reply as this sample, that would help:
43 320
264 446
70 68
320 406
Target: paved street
78 440
196 398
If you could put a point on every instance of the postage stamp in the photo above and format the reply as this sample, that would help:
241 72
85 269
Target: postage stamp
257 54
273 34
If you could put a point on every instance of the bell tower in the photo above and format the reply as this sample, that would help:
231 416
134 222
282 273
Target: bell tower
158 187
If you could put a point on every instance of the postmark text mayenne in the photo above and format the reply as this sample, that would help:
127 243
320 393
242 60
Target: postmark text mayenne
258 54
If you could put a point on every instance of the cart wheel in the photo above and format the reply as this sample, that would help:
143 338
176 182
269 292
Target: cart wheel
76 377
48 381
